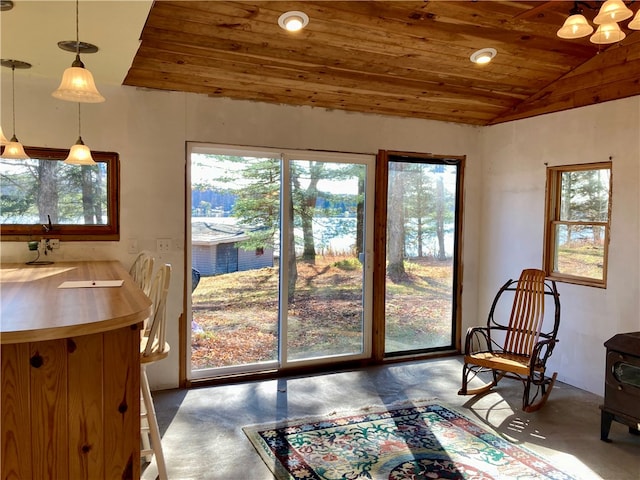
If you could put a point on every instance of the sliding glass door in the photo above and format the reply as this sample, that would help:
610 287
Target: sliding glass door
279 242
325 248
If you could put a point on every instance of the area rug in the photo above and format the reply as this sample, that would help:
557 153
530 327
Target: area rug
423 441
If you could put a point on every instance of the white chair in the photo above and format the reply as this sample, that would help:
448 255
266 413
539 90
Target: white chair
153 347
141 271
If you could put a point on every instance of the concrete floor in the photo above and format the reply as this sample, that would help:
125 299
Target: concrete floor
202 436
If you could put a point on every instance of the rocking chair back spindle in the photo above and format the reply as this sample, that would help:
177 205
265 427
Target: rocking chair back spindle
527 313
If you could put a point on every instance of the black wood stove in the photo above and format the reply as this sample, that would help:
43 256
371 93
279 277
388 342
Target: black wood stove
622 384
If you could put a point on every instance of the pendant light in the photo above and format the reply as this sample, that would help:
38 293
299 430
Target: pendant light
77 83
79 154
13 149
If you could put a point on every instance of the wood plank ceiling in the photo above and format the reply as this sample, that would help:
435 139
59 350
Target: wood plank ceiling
408 59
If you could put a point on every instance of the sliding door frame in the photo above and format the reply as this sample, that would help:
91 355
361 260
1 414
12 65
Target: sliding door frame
282 364
380 248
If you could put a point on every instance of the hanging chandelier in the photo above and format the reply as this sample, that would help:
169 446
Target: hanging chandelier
608 31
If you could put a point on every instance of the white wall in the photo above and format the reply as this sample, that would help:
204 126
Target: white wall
149 130
512 229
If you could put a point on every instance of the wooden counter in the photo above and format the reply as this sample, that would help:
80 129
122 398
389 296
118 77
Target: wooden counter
70 367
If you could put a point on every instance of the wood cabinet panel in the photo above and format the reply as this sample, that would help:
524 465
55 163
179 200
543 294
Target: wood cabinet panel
122 403
71 407
48 392
86 426
16 421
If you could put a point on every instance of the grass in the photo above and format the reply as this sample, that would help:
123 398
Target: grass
581 260
236 315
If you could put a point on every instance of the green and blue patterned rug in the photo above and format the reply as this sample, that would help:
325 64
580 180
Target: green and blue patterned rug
417 442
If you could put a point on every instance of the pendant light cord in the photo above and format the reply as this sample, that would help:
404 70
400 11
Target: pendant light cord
79 122
77 27
13 97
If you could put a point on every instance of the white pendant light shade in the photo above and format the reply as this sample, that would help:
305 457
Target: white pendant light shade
575 26
612 11
77 85
635 23
607 33
3 139
79 154
14 150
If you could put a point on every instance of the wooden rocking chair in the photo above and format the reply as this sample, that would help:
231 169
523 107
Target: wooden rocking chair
519 349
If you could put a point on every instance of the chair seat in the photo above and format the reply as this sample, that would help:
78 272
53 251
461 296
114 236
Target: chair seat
506 362
156 353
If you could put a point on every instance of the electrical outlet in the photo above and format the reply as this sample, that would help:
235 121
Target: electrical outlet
163 244
132 246
54 243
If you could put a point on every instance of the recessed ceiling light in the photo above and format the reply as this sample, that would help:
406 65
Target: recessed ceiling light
293 21
484 55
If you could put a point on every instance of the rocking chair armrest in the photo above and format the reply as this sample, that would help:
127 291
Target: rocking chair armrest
473 332
536 358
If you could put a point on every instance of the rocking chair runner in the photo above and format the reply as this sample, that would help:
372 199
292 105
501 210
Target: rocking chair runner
519 349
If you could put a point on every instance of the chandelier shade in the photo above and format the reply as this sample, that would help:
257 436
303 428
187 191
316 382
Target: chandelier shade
612 11
607 33
575 26
635 23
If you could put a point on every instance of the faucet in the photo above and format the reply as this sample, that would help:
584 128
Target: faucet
47 227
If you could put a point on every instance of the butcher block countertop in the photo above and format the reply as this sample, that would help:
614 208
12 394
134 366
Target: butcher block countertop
35 308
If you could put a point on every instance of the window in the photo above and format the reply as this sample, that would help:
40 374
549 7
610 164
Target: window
44 197
577 223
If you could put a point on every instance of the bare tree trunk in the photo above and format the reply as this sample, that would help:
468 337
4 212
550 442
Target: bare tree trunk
291 259
395 226
440 203
419 212
87 196
47 200
360 216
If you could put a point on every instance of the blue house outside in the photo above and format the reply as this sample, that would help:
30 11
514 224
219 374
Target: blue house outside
214 249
